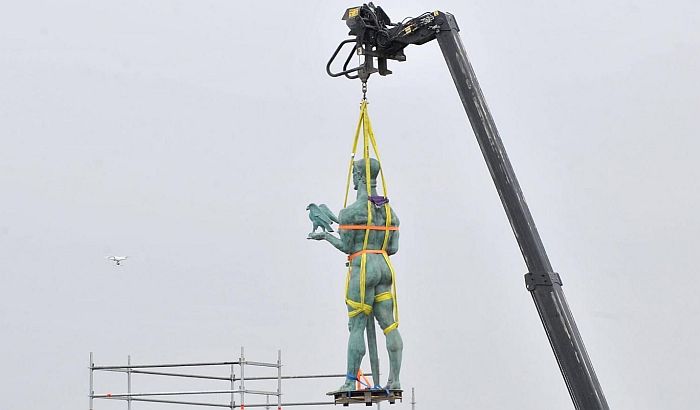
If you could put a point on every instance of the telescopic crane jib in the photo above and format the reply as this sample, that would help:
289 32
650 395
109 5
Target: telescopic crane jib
375 37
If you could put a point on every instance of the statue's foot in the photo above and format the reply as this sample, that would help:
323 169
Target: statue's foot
393 385
348 386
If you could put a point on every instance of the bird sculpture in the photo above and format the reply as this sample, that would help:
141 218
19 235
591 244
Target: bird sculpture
322 217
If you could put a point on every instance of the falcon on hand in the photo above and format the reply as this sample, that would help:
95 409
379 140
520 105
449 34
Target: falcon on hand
322 217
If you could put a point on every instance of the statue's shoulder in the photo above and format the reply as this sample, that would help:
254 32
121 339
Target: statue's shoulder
353 214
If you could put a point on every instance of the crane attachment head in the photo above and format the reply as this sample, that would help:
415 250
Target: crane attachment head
374 36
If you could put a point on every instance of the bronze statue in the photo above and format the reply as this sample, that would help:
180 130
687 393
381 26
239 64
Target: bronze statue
368 238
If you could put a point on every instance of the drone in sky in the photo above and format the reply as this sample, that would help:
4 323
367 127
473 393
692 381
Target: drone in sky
117 259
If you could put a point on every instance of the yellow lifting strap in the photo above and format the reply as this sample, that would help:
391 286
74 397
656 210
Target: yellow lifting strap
382 297
365 125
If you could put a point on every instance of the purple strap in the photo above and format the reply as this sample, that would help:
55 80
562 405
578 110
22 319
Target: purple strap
379 200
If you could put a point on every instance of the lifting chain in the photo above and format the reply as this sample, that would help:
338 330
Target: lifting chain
364 90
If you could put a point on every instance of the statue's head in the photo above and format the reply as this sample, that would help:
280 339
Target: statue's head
359 172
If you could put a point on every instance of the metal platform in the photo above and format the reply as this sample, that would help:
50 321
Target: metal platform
368 397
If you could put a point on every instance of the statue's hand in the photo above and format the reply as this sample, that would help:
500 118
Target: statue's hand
318 236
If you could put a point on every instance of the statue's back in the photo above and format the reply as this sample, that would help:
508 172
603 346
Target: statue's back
356 215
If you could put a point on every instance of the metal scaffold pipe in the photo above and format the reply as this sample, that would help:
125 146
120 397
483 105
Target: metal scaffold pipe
91 390
242 364
128 383
148 366
279 379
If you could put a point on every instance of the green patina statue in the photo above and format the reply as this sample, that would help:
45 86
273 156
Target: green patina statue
370 283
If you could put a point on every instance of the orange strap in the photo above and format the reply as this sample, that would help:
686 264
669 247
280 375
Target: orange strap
356 254
361 380
370 227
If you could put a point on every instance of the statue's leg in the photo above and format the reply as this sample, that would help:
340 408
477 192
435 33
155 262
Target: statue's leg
315 227
356 348
356 324
373 354
384 312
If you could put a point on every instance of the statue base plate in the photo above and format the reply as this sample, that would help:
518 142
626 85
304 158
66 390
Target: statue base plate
368 397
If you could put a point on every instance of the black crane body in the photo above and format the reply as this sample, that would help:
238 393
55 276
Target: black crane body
375 37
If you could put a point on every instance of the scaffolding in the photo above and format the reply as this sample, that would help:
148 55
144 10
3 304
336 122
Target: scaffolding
236 368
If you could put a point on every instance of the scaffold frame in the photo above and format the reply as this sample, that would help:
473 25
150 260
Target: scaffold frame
179 397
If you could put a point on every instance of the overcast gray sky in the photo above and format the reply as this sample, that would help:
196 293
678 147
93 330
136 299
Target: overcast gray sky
190 135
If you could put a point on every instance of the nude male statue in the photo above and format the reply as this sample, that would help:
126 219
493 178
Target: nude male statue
378 299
